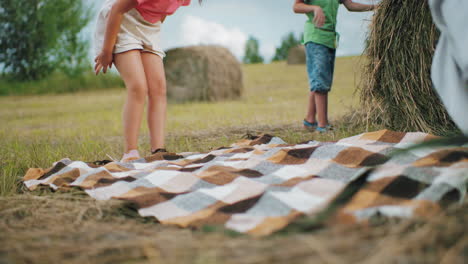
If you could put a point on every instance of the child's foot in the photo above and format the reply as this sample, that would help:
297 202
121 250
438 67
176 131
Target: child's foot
131 155
158 151
309 125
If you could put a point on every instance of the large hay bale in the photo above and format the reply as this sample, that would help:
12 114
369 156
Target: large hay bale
397 89
296 55
203 73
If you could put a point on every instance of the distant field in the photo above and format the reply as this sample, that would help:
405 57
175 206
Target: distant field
38 130
274 94
59 83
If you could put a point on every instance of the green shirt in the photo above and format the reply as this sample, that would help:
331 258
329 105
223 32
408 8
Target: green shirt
325 35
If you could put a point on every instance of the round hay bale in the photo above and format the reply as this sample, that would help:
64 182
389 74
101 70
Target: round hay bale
396 89
202 73
296 55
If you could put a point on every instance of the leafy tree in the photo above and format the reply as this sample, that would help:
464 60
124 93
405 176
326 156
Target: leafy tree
252 53
40 36
287 42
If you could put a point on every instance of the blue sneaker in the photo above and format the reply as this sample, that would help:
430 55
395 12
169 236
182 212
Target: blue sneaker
322 129
310 126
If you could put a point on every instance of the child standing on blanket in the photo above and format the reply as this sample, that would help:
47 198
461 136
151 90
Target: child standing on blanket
127 35
320 40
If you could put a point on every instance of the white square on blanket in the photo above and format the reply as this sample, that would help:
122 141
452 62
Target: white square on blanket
159 177
243 223
79 165
163 211
292 171
242 155
298 199
196 156
315 166
245 189
219 192
107 192
143 166
235 164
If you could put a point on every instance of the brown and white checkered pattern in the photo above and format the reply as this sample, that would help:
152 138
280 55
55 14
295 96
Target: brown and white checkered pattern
259 186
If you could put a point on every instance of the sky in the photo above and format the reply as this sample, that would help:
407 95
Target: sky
230 23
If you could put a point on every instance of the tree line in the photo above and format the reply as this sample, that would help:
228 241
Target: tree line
252 49
38 37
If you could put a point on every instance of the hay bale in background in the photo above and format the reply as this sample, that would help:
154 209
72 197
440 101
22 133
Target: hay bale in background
397 89
202 73
296 55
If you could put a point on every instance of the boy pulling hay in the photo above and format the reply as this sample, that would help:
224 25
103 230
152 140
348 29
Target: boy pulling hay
320 39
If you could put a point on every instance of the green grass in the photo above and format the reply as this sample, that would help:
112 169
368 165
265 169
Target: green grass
59 83
38 130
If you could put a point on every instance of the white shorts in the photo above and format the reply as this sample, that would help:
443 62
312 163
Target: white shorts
135 32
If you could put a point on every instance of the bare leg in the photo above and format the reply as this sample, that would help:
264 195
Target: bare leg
311 110
130 66
321 100
157 103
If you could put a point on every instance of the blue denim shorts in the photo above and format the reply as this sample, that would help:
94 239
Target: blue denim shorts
320 66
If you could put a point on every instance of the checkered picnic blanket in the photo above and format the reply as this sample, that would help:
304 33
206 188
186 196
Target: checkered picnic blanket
261 185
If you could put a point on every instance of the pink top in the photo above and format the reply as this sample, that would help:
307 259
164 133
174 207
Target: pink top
154 10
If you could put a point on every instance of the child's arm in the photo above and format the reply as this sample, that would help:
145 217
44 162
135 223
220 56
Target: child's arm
302 8
104 59
357 7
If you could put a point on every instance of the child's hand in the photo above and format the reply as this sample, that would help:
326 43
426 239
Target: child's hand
319 17
103 61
